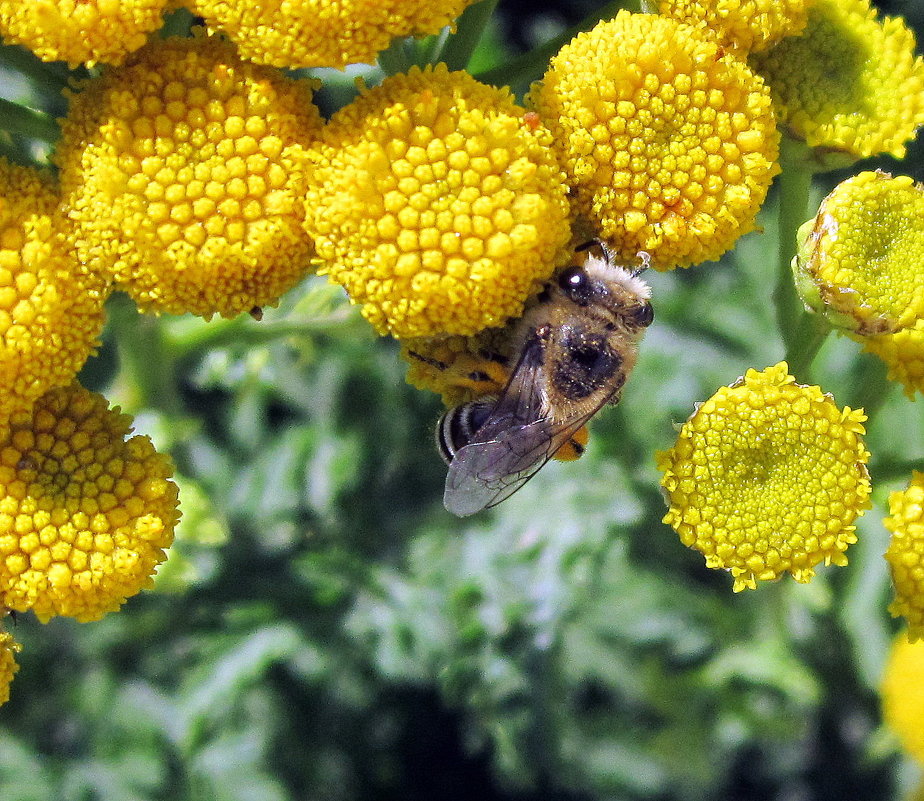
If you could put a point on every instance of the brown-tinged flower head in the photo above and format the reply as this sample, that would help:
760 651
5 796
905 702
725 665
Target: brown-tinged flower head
80 31
906 554
182 176
669 145
902 692
746 25
324 33
8 667
850 83
85 511
51 310
767 477
437 203
859 260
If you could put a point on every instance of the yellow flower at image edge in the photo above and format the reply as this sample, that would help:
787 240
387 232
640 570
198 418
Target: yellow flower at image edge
323 33
85 514
902 692
669 145
51 310
437 203
182 175
906 554
749 25
8 667
80 31
851 82
767 477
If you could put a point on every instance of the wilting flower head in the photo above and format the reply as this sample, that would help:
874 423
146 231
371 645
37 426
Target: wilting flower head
851 82
8 667
906 554
85 514
747 25
436 202
324 33
80 31
902 692
767 477
182 176
669 145
51 310
860 258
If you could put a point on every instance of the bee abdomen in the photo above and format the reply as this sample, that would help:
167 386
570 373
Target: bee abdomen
457 427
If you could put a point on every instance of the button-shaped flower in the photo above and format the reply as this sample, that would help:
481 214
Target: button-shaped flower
323 33
182 175
85 513
859 260
902 692
669 144
906 554
51 310
80 31
767 477
8 667
747 25
851 82
437 203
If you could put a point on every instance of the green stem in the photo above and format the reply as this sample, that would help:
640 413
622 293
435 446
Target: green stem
47 78
28 122
794 185
809 334
870 388
457 51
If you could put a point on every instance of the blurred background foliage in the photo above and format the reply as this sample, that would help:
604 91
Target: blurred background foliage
323 629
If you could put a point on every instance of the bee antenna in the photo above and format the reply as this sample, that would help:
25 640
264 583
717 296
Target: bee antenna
645 258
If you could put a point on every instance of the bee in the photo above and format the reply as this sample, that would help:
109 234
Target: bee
573 349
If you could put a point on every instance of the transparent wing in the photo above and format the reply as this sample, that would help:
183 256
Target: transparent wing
515 441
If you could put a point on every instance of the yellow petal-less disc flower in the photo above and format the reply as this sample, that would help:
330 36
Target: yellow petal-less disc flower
850 83
80 31
906 554
182 175
8 667
767 477
669 145
51 310
85 512
748 25
324 33
903 353
437 203
859 260
902 693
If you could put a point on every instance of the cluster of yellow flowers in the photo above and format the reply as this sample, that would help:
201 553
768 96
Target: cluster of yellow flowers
198 178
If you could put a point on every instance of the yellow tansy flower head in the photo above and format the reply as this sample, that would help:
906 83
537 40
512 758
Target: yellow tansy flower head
8 667
902 692
669 145
906 554
903 353
182 175
437 203
324 33
860 259
85 514
767 477
80 31
747 25
51 310
850 83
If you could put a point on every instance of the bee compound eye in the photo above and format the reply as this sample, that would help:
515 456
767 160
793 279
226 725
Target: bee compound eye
644 314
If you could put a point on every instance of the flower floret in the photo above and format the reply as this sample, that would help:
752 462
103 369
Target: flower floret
670 145
905 554
182 176
767 477
436 202
87 512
